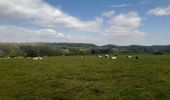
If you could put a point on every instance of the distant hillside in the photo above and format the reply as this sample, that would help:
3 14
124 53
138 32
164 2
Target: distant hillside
56 49
73 45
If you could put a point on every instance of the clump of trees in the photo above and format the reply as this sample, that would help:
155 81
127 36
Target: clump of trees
32 50
102 51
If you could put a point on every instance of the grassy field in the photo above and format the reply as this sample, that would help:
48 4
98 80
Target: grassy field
90 78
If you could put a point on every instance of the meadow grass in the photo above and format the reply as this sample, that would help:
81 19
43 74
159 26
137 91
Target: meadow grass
88 78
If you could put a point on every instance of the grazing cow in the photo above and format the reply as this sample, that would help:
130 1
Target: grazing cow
100 56
7 57
114 58
106 56
136 57
37 58
40 58
129 56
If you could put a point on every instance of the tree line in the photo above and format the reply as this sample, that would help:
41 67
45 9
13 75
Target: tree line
60 49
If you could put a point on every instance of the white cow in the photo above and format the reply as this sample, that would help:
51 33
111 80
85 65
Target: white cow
106 56
114 58
129 56
100 56
37 58
40 58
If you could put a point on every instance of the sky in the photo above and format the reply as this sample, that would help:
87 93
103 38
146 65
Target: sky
101 22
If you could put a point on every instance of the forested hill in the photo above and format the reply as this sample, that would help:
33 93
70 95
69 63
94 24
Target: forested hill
73 45
55 49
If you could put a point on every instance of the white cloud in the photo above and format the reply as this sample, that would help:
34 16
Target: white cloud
20 34
121 5
119 31
101 30
130 19
160 11
123 26
41 13
108 13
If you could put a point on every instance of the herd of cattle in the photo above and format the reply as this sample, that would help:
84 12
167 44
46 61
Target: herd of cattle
115 57
33 58
100 56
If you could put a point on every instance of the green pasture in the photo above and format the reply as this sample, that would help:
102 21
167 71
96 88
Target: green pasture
88 78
